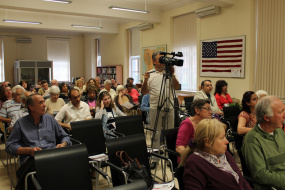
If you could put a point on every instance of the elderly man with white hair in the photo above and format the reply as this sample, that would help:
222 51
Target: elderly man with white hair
54 103
108 85
264 146
54 82
261 94
11 107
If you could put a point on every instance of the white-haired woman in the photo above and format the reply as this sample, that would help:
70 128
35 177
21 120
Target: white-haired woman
121 100
108 85
54 103
207 163
261 94
79 84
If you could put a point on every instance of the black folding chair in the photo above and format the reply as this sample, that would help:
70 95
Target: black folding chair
62 168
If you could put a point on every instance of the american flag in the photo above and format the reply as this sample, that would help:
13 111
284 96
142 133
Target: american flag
221 56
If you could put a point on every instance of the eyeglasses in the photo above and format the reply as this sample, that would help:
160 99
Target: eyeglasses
208 109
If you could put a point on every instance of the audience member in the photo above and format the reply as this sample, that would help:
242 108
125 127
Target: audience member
22 112
133 93
131 80
221 95
54 82
63 91
75 110
5 94
205 93
54 103
35 131
79 85
264 146
261 94
26 86
39 84
114 84
93 81
5 83
11 107
107 111
91 97
207 163
152 85
145 107
108 88
200 109
122 99
44 90
247 118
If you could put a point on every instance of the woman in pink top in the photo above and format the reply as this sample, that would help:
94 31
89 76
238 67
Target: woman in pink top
221 95
200 109
133 93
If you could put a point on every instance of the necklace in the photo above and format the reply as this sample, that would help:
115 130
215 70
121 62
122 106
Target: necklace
193 120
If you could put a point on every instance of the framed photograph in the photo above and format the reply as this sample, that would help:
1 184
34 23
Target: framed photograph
146 56
223 57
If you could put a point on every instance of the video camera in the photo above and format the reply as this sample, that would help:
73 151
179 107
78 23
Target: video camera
171 61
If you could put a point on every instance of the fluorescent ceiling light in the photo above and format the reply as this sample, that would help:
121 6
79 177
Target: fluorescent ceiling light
23 22
127 9
59 1
82 26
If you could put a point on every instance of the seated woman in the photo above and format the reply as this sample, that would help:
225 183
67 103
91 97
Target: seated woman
221 95
5 94
93 81
26 86
207 163
200 109
63 91
133 93
80 86
54 103
107 111
123 98
108 88
91 98
247 118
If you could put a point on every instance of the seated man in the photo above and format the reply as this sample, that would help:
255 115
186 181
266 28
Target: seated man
131 80
22 112
75 110
205 93
44 90
35 131
11 107
264 146
54 82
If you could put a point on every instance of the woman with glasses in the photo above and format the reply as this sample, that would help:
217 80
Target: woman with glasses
207 163
200 109
54 103
247 118
5 94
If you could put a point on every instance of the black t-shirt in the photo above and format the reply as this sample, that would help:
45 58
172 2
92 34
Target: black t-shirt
111 120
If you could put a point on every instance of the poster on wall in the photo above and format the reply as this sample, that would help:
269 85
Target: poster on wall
147 53
223 57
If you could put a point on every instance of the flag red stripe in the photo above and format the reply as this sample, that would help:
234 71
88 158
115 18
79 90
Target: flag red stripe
220 61
229 41
224 56
229 46
216 71
230 51
221 66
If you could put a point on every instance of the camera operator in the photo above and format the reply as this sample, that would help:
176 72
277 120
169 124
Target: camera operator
152 85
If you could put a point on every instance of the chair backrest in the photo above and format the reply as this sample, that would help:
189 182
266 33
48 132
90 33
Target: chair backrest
90 132
179 175
232 111
129 125
63 168
245 169
134 145
138 185
170 138
188 99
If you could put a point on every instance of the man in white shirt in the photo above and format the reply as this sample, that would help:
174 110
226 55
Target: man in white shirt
75 110
205 93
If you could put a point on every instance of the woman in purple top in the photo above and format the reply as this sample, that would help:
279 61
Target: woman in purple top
200 109
207 163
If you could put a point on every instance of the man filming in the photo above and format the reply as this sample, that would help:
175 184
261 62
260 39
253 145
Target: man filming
152 85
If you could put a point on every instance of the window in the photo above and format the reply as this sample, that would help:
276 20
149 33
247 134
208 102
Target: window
185 41
98 52
58 52
134 61
2 71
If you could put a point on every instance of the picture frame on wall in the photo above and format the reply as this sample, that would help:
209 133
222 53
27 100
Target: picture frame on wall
223 57
147 52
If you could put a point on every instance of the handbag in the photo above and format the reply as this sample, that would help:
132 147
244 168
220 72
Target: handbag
135 171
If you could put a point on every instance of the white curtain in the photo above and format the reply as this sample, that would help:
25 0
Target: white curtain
185 41
2 71
58 52
270 47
